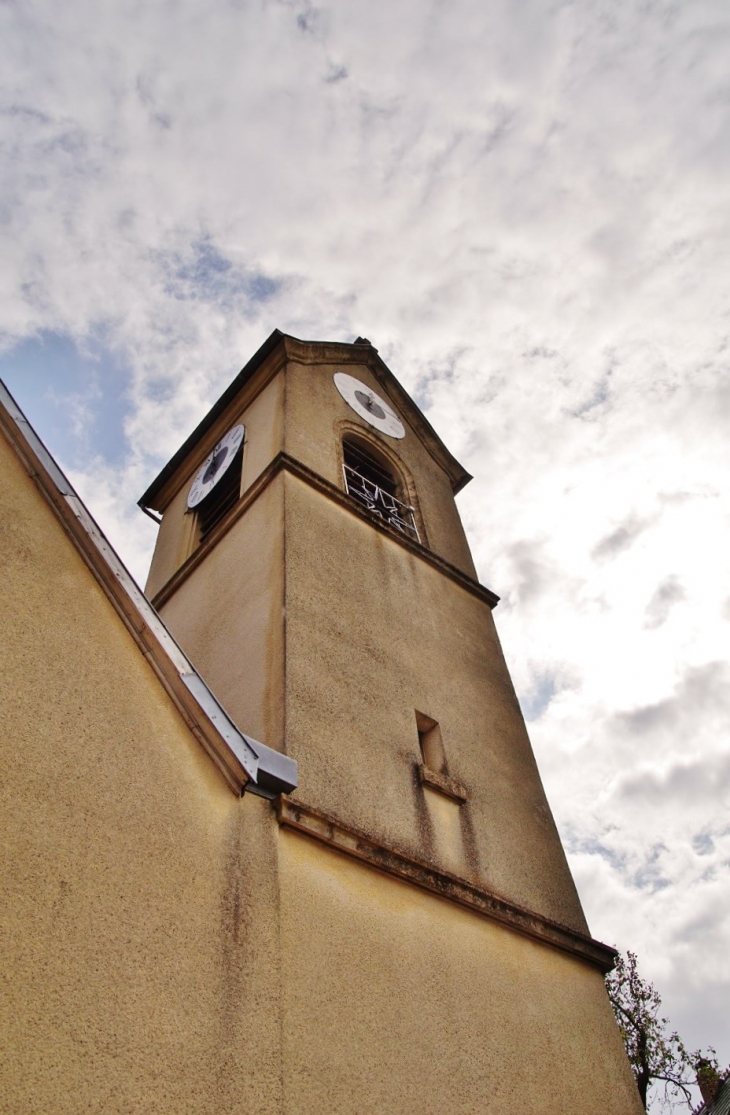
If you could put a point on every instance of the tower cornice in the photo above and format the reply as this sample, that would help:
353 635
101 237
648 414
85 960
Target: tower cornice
285 463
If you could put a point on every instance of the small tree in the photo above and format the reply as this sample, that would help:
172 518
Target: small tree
656 1056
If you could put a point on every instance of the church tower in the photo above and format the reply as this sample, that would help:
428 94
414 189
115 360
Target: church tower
418 944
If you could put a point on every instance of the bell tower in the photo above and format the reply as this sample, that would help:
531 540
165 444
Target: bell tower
431 951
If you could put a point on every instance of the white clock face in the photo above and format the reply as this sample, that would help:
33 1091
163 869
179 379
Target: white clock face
215 465
369 406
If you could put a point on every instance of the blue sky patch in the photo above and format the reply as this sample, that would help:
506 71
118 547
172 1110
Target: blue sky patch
534 703
75 399
210 277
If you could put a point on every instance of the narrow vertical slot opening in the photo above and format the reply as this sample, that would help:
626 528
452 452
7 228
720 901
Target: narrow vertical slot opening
432 744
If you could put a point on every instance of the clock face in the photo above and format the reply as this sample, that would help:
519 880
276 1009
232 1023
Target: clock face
369 406
215 466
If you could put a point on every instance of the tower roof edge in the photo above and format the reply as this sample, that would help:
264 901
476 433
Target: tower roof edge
458 475
271 342
456 472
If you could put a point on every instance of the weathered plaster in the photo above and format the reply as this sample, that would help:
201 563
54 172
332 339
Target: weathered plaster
397 1001
138 895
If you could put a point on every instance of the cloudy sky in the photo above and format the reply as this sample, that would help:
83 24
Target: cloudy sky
524 205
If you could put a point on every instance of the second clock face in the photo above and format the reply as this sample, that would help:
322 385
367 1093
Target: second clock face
369 406
215 465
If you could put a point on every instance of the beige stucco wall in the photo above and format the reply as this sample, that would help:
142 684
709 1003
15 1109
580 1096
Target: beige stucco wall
322 636
314 419
296 407
167 948
373 634
229 617
260 408
418 1007
138 895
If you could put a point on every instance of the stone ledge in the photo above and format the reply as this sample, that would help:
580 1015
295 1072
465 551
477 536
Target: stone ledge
444 783
343 838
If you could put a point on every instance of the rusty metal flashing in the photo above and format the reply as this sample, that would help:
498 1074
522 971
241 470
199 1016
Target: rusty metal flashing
246 764
282 462
352 842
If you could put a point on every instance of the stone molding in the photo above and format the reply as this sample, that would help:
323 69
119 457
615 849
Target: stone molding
350 841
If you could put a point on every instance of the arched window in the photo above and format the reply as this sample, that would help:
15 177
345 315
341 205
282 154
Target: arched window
371 480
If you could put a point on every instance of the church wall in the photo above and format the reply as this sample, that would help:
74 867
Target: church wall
374 634
171 948
138 896
396 1001
315 414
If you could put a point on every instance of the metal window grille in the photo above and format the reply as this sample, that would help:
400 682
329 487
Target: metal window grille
379 502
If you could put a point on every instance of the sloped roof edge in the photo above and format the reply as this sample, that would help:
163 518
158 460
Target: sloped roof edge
457 474
246 764
218 407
